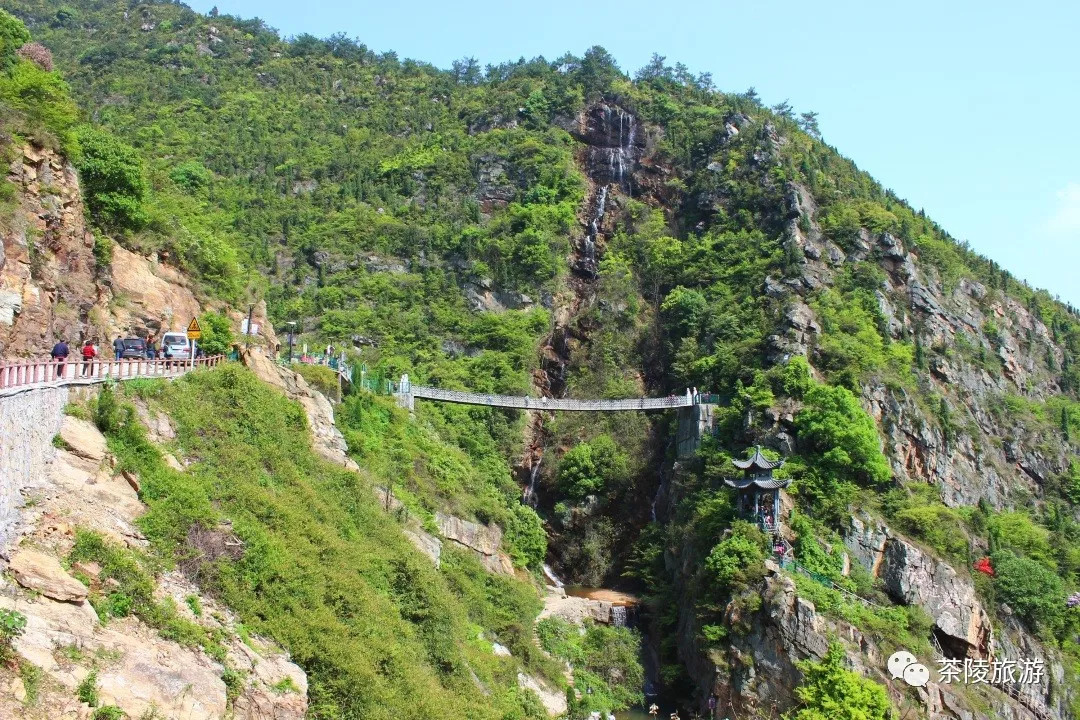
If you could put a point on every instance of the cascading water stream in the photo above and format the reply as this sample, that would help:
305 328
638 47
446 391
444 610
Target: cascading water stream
552 579
529 497
588 245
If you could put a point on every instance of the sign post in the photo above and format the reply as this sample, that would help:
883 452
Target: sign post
194 332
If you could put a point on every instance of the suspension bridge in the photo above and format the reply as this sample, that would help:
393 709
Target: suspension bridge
407 393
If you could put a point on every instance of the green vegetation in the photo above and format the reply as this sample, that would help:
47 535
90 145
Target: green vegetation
372 200
87 690
1034 592
592 467
843 451
31 676
111 176
35 101
217 337
607 672
133 575
829 691
12 625
323 570
738 558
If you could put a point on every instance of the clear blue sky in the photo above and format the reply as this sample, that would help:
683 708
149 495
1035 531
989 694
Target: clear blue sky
966 109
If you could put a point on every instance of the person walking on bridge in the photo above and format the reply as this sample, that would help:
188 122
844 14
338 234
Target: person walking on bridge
59 355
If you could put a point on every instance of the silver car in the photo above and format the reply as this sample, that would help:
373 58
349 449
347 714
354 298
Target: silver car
175 345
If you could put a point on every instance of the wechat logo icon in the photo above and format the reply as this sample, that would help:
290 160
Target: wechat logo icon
904 665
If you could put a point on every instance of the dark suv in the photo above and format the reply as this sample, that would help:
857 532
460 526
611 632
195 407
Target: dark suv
134 349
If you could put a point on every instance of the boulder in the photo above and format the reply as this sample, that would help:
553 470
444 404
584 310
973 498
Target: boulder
484 539
155 673
37 571
83 439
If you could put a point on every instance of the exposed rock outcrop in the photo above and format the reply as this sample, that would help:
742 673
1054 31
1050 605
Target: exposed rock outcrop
484 540
51 285
915 577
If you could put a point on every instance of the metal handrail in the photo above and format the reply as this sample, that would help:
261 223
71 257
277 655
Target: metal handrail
18 376
544 403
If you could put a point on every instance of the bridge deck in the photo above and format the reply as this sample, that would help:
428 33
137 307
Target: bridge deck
532 403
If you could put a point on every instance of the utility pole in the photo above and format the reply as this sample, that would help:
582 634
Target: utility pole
292 337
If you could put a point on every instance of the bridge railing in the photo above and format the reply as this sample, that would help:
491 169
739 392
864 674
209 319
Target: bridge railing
30 373
532 403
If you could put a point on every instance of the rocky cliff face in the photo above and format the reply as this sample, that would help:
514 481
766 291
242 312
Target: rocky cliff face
52 286
985 353
982 347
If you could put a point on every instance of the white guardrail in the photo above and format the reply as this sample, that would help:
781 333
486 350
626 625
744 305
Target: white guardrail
16 377
532 403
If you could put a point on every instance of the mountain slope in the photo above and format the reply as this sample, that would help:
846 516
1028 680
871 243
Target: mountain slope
561 226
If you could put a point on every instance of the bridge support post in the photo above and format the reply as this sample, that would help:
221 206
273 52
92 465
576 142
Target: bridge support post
695 422
404 394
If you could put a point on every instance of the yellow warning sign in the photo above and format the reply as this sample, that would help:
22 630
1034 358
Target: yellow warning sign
194 331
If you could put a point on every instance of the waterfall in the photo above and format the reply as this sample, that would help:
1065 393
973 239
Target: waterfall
529 497
589 243
618 616
552 579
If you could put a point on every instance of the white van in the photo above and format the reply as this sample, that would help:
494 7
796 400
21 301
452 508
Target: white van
175 346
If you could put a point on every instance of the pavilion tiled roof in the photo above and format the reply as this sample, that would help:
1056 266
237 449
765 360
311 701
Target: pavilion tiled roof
758 462
761 482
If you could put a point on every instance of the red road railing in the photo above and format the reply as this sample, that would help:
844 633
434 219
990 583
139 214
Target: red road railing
44 373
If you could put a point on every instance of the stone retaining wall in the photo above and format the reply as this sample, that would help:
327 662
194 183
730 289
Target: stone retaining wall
28 423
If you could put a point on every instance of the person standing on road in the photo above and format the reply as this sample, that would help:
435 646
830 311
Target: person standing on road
89 352
59 355
118 347
151 349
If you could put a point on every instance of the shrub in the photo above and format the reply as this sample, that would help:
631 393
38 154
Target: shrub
525 537
12 625
43 101
87 690
795 378
1019 534
937 526
1034 593
829 691
592 466
112 180
191 175
841 436
738 558
842 450
217 337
